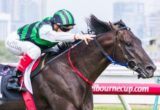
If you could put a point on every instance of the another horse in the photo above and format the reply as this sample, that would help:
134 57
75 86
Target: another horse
65 83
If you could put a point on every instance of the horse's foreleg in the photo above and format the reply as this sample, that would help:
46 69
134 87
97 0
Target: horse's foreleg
88 105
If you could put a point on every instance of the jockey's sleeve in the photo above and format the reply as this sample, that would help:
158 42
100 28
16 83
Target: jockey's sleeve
47 33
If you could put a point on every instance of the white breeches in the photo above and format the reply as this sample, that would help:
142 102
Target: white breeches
18 47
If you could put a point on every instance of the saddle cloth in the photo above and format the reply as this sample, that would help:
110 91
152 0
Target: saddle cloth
6 71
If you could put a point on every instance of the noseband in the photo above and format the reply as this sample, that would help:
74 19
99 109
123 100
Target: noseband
110 58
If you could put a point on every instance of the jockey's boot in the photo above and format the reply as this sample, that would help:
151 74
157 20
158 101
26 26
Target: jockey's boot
13 83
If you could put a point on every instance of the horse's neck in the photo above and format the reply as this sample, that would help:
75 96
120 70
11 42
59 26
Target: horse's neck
89 60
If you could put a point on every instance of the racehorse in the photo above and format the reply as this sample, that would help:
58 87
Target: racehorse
65 82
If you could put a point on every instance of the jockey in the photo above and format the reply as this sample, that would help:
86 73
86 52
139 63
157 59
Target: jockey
30 40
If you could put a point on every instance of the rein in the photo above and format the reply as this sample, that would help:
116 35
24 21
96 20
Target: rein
75 69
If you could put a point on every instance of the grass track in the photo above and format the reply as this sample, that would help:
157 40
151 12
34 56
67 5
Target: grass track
120 107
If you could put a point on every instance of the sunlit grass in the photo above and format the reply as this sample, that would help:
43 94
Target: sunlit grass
120 107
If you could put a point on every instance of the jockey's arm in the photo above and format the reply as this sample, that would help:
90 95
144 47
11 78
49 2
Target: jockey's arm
47 33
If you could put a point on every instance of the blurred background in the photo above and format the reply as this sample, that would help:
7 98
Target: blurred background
142 16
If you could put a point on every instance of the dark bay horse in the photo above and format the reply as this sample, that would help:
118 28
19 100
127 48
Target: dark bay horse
65 83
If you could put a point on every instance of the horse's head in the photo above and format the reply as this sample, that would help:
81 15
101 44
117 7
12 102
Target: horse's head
125 47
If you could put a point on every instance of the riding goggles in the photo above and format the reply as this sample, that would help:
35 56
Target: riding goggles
66 28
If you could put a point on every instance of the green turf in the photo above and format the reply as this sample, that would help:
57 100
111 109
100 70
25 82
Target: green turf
120 107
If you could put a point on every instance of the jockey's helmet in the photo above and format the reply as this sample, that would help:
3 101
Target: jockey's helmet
63 18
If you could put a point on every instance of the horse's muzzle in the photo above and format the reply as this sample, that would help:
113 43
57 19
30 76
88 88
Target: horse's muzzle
143 71
150 69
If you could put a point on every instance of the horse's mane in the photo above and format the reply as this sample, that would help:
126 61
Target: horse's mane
97 26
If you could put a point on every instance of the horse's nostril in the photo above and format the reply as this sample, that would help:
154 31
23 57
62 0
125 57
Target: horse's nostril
131 64
150 68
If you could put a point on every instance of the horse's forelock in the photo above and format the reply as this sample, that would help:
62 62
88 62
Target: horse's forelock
98 26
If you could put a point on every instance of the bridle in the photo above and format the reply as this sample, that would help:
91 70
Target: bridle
111 58
129 63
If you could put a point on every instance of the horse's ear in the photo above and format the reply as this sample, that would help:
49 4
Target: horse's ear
113 27
121 21
122 24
